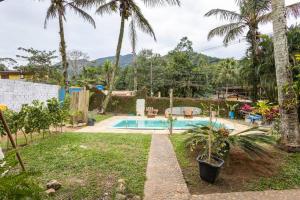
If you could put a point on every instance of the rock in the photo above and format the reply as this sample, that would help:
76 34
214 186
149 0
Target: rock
121 188
120 196
136 197
50 192
53 184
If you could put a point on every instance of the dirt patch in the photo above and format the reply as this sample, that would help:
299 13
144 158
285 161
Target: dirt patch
236 175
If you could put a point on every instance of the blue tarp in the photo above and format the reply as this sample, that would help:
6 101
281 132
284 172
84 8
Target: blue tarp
62 92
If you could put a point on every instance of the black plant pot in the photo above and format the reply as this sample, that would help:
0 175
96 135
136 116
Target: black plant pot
91 122
210 172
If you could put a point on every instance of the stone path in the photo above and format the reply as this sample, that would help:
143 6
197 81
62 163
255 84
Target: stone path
265 195
164 177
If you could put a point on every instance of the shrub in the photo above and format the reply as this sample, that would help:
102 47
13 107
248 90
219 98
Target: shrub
127 105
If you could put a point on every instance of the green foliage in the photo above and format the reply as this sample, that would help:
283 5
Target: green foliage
39 63
21 186
38 119
58 112
222 141
127 105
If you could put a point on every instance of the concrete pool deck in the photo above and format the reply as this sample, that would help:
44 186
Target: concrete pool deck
106 126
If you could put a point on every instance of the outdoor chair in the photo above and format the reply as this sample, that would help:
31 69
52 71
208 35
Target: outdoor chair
151 112
188 113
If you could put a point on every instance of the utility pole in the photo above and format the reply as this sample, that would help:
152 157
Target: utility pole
151 77
171 112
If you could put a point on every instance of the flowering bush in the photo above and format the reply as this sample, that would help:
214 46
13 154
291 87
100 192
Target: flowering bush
246 108
272 114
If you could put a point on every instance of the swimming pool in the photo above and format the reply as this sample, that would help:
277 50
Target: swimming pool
164 124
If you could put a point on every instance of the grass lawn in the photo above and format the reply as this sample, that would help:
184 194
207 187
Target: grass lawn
88 165
242 174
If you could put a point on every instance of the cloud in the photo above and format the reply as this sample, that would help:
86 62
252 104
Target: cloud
22 25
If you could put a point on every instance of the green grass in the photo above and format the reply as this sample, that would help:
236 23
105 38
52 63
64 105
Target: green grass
88 165
286 176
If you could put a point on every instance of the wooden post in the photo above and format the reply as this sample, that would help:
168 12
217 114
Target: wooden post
6 128
171 114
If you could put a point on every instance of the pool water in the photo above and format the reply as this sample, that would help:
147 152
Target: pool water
164 124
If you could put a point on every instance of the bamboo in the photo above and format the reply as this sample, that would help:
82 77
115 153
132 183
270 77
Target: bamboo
6 128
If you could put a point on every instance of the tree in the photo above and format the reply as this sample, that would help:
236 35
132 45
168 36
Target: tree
39 63
289 126
227 73
128 9
57 9
77 59
252 14
6 62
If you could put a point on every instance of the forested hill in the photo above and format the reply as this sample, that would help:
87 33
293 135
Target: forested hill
126 60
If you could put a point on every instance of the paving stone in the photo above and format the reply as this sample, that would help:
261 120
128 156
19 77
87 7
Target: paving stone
164 177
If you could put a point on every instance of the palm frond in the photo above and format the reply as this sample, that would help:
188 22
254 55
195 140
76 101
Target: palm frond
223 30
107 8
133 35
266 18
224 14
293 10
82 14
51 13
141 21
89 3
233 34
161 2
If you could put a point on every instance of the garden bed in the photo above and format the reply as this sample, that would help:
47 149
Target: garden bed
88 165
242 174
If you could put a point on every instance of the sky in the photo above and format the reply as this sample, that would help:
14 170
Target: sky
21 25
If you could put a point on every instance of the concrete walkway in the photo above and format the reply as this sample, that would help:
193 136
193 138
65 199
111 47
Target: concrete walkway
265 195
164 177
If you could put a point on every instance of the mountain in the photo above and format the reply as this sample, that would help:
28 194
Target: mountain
125 60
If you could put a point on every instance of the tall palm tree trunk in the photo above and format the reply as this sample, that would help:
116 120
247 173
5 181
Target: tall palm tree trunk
62 49
255 62
135 81
287 97
115 67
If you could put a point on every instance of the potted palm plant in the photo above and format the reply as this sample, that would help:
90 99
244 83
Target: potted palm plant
213 147
209 163
232 108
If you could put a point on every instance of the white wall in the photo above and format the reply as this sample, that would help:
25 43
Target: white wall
16 93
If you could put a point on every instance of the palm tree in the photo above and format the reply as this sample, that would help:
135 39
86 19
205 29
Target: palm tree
287 97
57 9
252 14
128 9
227 73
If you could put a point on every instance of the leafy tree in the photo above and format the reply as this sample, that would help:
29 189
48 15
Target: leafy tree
6 62
39 63
228 72
77 59
252 14
57 9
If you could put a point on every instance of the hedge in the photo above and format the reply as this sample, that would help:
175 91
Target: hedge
127 105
